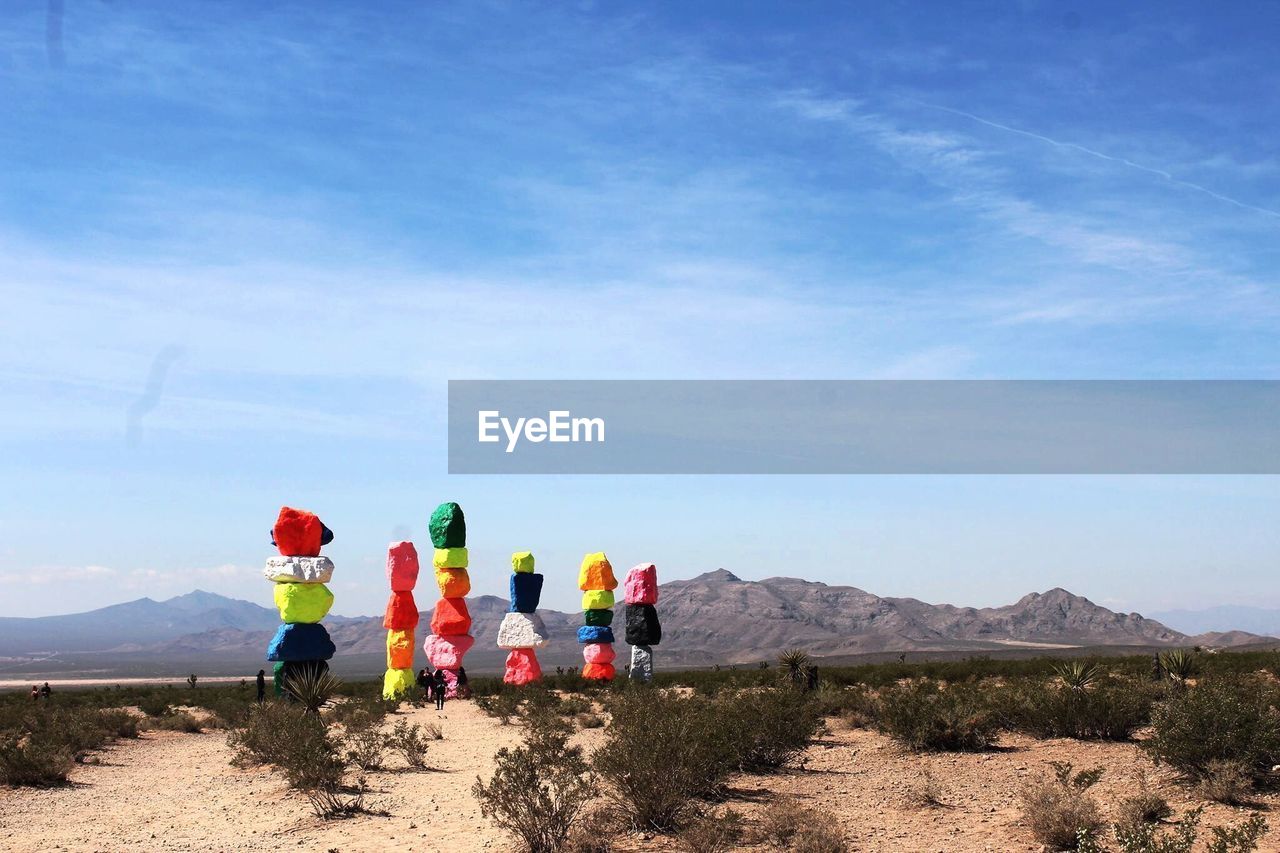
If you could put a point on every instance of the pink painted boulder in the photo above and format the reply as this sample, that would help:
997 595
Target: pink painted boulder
641 586
446 652
450 683
598 653
402 566
522 667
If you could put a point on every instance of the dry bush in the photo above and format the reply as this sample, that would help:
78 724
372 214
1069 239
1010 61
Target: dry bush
925 715
412 741
710 833
787 825
594 831
178 721
590 721
1146 806
1102 710
927 793
1059 809
774 726
1226 782
35 762
1146 837
538 789
365 744
502 706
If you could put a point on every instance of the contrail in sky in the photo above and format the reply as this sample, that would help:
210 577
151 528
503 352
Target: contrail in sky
1092 153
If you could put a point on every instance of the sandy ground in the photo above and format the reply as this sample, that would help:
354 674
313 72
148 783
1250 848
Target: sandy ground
171 791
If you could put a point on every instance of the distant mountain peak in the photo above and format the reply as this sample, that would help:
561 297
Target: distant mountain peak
719 576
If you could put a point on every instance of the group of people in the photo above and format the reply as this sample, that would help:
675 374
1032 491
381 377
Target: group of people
434 686
38 693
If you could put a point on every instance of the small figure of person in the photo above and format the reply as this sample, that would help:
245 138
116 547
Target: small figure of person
424 684
438 687
262 685
811 679
35 693
464 690
46 691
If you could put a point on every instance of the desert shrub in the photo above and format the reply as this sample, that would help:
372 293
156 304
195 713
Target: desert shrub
787 825
1146 806
36 762
154 706
119 723
594 831
364 742
1059 810
311 687
226 711
1221 719
502 705
538 789
178 721
572 706
1147 838
371 707
1226 782
661 753
926 716
590 721
412 741
926 793
1105 710
711 833
772 726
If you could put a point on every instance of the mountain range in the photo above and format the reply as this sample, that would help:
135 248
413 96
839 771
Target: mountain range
714 618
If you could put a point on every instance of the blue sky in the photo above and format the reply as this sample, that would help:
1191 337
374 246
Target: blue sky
315 214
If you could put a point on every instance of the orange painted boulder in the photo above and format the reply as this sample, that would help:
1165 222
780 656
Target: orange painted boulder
402 612
400 649
596 573
453 583
599 672
451 617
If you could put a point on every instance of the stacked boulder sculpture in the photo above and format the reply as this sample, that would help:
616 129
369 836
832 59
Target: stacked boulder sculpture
400 620
596 580
299 576
640 589
450 637
522 630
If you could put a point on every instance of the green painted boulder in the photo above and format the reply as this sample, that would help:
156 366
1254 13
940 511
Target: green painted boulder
448 527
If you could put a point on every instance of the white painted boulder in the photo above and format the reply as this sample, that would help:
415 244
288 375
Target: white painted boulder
522 631
299 569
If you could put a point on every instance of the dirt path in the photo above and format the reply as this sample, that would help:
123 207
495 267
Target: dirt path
170 791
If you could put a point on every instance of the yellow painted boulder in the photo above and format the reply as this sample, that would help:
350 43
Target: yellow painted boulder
449 558
597 599
303 602
397 683
522 561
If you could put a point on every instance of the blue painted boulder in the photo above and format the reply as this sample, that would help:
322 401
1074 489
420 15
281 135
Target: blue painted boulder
301 641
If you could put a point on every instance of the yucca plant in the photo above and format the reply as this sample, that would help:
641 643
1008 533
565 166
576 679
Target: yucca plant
1078 675
1179 664
312 688
794 663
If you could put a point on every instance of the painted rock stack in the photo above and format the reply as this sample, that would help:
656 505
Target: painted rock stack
400 620
597 583
299 575
450 636
640 590
522 630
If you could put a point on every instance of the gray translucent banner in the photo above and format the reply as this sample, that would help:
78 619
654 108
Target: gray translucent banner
864 427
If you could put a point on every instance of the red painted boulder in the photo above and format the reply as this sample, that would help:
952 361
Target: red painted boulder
641 585
446 652
402 612
451 617
402 566
297 532
522 667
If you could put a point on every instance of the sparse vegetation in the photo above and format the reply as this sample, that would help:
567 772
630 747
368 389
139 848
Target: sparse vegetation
711 833
537 790
1219 719
1059 810
412 741
925 715
786 825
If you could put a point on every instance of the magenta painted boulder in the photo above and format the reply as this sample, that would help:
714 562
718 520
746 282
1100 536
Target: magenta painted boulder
641 585
598 653
450 683
402 566
522 667
446 652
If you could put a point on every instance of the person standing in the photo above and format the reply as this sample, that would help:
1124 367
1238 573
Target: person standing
46 691
438 687
262 685
35 693
464 690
